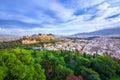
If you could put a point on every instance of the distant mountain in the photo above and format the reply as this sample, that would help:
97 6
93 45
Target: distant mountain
103 32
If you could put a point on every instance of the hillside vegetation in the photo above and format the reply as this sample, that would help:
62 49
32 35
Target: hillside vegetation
21 64
18 43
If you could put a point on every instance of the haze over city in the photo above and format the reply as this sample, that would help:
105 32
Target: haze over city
21 17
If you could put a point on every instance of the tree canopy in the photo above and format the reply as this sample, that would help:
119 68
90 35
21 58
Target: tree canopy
22 64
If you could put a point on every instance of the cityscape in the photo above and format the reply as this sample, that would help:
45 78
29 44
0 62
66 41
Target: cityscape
92 45
60 40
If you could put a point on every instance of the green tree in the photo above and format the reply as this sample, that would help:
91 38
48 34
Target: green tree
105 66
81 61
89 74
62 72
3 72
39 73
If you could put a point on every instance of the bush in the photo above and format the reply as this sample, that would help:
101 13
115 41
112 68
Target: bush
89 74
105 66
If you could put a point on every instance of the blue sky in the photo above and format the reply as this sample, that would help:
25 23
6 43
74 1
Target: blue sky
63 17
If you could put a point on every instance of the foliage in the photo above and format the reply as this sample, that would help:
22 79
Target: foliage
18 64
22 64
18 43
62 72
89 74
105 66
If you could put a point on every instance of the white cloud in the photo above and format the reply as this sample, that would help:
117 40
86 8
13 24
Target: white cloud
60 11
4 31
103 6
106 12
88 3
71 23
7 16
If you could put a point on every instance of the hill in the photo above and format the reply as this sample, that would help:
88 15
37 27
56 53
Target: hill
103 32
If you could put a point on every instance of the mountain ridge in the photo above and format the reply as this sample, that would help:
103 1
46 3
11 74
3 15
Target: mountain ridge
102 32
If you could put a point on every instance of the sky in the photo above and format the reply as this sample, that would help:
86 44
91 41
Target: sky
60 17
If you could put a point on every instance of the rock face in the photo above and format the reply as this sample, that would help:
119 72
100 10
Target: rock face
37 38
